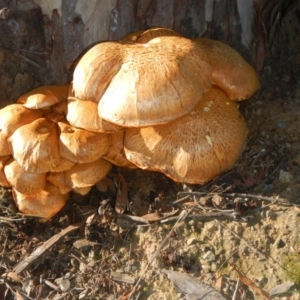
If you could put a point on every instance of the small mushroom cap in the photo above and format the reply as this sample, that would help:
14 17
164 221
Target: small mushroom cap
84 114
58 179
14 116
82 191
43 96
143 84
64 165
3 180
230 71
22 181
4 147
81 146
44 204
195 148
115 153
83 175
144 36
35 146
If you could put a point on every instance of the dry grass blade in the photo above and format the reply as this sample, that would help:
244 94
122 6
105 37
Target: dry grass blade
25 262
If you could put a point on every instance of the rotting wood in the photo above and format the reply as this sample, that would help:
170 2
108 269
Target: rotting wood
26 262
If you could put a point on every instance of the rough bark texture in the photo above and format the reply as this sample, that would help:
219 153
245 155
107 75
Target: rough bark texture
40 39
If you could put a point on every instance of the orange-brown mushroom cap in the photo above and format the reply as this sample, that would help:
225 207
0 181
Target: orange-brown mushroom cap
115 153
4 147
14 116
88 174
35 146
80 175
84 114
195 148
22 181
3 180
44 204
81 146
230 71
143 84
43 96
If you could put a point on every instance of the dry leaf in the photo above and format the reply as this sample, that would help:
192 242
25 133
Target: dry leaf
192 288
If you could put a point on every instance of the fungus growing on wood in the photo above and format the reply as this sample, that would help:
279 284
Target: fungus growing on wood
35 146
230 71
143 84
194 148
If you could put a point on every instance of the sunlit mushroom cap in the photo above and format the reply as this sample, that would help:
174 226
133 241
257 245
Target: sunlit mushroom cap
143 84
4 147
230 71
84 114
14 116
22 181
43 96
3 180
35 146
58 179
44 204
144 36
88 174
64 165
195 148
81 146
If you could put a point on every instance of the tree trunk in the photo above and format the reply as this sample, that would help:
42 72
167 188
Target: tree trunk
40 39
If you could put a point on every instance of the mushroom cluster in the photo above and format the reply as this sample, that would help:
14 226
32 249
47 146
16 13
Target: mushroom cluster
153 100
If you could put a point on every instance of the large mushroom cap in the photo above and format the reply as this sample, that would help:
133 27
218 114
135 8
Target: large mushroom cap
143 84
35 146
14 116
44 204
81 146
230 71
144 36
22 181
195 148
43 96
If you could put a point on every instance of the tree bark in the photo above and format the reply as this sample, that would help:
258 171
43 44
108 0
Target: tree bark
40 39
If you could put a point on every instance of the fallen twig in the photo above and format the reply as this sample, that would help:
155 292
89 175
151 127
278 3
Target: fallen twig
251 284
24 263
